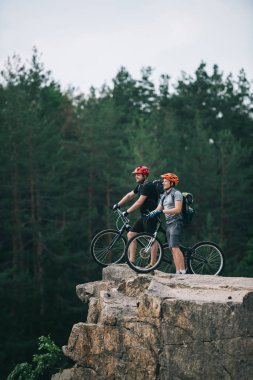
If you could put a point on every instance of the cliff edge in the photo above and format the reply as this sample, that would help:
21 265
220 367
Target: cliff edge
162 326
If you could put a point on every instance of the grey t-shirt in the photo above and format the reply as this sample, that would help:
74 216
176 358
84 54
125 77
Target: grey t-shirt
168 202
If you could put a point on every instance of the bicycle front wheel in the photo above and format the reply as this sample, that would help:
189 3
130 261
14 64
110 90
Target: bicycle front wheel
206 258
108 247
144 253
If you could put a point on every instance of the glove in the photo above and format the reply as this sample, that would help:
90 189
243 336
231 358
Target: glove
115 207
125 213
154 213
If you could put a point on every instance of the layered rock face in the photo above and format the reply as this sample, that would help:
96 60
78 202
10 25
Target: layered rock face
161 326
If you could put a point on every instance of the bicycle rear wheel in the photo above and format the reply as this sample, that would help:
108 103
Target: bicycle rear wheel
206 258
167 263
108 247
145 245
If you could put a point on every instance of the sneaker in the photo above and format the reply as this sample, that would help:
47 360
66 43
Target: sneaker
149 266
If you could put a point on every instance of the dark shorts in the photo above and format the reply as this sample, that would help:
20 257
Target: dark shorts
174 233
143 224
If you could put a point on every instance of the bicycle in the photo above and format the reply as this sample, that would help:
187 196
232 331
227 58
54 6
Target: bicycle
108 246
204 257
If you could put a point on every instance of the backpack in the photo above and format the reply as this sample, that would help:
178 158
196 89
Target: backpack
159 190
187 210
159 187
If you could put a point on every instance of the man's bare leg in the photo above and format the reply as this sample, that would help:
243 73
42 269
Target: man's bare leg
154 253
132 247
178 258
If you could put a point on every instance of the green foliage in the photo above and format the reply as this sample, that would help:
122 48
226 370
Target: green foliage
22 371
44 364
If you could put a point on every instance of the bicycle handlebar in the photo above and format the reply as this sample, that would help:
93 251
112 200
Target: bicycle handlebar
120 214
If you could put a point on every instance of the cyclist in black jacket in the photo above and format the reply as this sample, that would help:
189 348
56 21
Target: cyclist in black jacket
147 201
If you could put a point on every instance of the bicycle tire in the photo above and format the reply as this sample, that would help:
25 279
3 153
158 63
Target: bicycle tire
108 247
167 264
144 241
206 258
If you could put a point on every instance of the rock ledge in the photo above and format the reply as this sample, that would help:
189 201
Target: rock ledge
162 327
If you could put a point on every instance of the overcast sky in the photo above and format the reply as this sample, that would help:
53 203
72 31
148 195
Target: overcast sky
85 42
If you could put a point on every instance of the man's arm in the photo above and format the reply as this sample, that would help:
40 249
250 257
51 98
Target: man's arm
159 208
156 211
176 210
127 198
137 204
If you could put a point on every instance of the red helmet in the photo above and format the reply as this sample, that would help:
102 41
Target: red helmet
171 177
141 170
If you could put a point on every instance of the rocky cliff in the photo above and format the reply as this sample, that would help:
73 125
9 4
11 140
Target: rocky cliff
163 327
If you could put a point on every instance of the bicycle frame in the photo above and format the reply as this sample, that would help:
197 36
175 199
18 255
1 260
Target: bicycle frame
126 222
125 227
158 228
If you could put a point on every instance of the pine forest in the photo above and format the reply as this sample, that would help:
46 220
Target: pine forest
67 157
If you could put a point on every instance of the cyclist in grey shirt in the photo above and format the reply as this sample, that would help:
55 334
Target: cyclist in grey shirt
171 205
